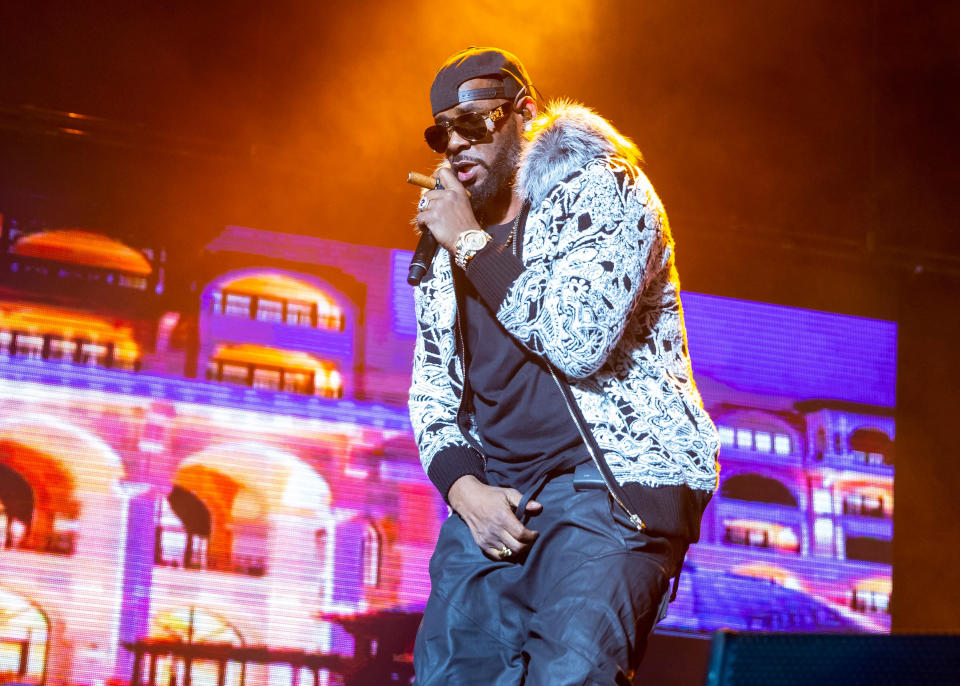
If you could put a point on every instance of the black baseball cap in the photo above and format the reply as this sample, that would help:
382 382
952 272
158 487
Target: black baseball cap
474 63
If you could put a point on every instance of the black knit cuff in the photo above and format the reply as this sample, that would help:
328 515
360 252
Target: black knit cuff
669 510
451 463
492 271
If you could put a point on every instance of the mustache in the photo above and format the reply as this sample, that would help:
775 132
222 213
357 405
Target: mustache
468 160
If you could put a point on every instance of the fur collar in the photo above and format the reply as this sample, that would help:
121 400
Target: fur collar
563 139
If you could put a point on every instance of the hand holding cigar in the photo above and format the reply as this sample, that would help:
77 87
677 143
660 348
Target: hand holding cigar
424 181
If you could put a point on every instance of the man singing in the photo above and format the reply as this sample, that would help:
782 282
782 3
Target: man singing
552 398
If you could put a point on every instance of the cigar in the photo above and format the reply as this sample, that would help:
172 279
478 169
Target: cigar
422 180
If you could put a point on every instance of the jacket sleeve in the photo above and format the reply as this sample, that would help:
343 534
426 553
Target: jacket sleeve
571 303
433 403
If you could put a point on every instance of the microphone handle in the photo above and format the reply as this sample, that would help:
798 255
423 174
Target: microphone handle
422 257
427 245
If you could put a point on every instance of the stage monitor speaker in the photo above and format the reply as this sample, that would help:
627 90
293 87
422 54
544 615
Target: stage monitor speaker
754 659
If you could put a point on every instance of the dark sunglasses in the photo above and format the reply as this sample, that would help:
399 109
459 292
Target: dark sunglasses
472 126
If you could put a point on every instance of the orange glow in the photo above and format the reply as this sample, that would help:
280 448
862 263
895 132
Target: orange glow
201 627
279 287
58 456
52 485
247 481
68 325
217 491
782 537
83 247
858 483
880 489
760 570
874 492
258 355
757 524
877 584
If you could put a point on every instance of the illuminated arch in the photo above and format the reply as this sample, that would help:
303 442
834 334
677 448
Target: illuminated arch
24 638
92 465
69 330
63 466
872 440
275 369
193 625
778 575
276 285
371 555
871 595
284 482
759 533
757 488
882 584
865 495
84 248
759 431
272 295
241 485
16 498
38 505
182 530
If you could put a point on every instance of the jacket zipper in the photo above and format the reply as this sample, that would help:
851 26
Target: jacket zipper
590 443
575 414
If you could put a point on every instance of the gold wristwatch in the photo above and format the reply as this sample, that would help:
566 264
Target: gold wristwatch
469 243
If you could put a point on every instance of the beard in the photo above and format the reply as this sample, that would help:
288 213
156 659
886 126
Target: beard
497 187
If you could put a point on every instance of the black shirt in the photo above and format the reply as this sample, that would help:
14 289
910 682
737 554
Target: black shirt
524 424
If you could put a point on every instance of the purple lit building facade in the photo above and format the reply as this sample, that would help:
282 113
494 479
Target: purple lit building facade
218 453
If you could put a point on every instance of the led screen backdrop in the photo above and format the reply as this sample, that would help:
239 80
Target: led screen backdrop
213 473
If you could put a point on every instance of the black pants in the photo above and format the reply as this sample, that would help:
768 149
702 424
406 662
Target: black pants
576 609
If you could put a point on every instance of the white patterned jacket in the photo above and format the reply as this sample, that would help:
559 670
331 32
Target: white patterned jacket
596 295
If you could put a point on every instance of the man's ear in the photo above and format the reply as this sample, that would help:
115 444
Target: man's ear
527 108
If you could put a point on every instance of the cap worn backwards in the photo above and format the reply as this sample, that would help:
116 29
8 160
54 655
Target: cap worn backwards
474 63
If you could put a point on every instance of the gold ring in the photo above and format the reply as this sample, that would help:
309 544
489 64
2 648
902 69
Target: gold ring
504 552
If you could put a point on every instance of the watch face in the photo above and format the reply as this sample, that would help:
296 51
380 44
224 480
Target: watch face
475 240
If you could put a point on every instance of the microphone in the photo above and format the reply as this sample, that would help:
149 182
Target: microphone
422 257
427 245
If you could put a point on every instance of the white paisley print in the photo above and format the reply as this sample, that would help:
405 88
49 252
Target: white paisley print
598 299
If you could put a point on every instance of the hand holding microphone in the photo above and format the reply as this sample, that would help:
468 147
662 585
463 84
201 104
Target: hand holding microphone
443 214
427 245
